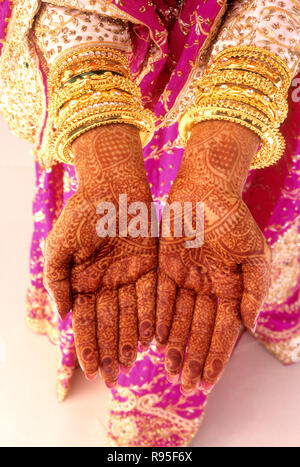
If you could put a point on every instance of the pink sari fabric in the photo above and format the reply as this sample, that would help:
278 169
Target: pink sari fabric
146 410
272 195
5 13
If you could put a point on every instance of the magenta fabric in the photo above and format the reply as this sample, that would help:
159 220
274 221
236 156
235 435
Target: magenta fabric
5 12
272 195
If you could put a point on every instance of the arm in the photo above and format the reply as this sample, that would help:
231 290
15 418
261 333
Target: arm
109 282
205 293
95 115
212 290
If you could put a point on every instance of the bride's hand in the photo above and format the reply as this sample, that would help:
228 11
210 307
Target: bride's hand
204 294
108 283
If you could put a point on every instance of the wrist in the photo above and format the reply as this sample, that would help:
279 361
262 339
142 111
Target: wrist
219 154
105 152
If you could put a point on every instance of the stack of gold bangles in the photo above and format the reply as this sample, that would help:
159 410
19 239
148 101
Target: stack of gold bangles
91 86
245 85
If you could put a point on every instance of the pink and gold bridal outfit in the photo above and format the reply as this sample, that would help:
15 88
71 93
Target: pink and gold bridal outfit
169 44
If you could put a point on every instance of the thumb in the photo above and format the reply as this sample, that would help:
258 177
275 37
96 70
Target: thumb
57 271
256 280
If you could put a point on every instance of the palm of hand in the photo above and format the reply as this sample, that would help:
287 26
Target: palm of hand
205 294
109 283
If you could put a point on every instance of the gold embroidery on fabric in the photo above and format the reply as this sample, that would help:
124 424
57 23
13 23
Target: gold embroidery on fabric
58 28
22 99
168 148
267 24
148 424
283 344
187 93
287 351
103 7
285 266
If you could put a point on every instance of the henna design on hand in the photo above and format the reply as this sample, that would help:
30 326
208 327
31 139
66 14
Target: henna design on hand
227 279
109 283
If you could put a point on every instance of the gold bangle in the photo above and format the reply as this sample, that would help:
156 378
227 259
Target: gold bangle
245 64
90 98
276 112
90 102
77 74
239 77
245 85
87 57
264 56
94 100
272 141
227 103
60 140
103 83
249 66
248 83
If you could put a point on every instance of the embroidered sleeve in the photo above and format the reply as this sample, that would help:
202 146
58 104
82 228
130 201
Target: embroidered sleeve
273 25
58 28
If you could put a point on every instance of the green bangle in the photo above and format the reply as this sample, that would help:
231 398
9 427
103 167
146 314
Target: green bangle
88 73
